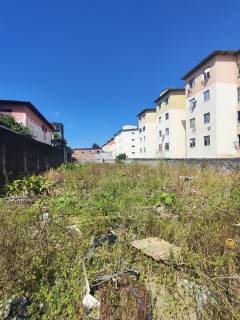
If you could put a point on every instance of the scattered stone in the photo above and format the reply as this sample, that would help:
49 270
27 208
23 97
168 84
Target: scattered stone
161 211
156 248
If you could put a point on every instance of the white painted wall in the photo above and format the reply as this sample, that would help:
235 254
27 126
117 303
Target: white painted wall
127 141
222 128
147 140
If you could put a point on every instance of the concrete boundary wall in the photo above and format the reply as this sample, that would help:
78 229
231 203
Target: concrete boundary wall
21 155
225 164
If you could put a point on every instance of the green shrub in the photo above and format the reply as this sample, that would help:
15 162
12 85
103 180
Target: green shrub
29 186
10 123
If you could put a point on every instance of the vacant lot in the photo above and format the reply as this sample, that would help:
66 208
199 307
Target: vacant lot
76 224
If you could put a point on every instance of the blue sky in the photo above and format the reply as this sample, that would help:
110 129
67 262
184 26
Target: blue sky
94 64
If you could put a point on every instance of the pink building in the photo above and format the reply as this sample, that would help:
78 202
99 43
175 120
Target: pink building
27 114
85 154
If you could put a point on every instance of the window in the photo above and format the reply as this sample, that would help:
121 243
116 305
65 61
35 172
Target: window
160 119
192 142
144 138
166 101
144 149
140 139
191 83
207 140
239 139
238 116
140 150
133 146
166 146
167 116
160 133
42 127
192 124
167 131
238 93
133 152
160 147
206 74
206 117
133 132
193 103
206 95
143 129
140 130
133 139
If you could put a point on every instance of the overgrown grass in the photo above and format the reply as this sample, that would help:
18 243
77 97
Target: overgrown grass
43 260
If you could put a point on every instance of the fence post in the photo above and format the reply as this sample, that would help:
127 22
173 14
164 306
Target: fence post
4 163
25 161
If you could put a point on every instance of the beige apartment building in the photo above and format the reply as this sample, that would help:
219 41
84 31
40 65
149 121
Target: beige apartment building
147 133
213 106
171 124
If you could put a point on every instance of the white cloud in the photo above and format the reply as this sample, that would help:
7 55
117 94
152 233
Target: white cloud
56 114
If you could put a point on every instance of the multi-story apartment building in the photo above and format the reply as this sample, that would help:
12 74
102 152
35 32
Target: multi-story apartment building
127 141
27 114
147 133
171 124
213 106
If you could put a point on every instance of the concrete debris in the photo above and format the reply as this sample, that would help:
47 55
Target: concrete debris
110 237
17 309
156 248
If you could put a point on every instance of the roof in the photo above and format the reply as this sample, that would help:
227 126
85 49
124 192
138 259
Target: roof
146 110
167 92
31 107
209 57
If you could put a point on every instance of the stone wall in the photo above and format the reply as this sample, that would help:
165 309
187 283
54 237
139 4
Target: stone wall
20 155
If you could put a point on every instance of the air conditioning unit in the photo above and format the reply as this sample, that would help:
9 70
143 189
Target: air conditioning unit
209 128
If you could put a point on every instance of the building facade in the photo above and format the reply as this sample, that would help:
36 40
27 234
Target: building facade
127 141
213 106
85 154
27 114
171 123
147 133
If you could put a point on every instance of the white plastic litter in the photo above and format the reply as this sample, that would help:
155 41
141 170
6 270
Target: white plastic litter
89 301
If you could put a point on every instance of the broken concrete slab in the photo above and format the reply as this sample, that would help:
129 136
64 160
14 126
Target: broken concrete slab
156 248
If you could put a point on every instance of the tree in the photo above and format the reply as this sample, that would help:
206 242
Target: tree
121 157
95 146
10 123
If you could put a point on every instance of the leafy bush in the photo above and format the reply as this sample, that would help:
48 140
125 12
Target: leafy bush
29 186
121 157
10 123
